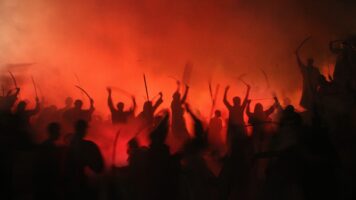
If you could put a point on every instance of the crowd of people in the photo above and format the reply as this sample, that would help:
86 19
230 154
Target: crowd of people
292 155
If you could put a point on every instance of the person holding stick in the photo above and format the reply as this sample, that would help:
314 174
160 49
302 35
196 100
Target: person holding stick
118 114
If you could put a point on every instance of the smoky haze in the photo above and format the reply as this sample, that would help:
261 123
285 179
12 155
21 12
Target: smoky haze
100 43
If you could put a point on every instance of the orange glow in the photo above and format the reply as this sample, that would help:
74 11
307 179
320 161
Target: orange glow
112 43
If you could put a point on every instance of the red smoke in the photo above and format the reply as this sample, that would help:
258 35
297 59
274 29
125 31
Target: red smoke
112 43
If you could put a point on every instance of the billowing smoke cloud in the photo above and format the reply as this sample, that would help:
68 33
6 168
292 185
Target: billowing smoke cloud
112 43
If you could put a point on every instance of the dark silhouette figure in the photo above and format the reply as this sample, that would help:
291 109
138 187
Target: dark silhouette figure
161 168
76 113
311 76
236 124
22 124
199 181
138 182
260 120
8 101
82 154
118 114
147 114
68 103
48 173
345 70
179 128
215 135
236 110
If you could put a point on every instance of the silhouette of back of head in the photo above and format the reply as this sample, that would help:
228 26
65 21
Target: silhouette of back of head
21 106
217 113
310 62
176 96
68 102
78 104
258 108
159 134
53 130
237 101
81 127
120 106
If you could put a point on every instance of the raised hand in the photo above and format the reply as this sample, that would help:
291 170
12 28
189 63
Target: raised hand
227 88
109 90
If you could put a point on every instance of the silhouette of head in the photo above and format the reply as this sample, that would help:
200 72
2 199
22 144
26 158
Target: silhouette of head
236 101
81 127
159 134
53 130
217 113
21 106
78 104
289 109
258 108
176 96
120 106
133 143
68 101
310 62
147 106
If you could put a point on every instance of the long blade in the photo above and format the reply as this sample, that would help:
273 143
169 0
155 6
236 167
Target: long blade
144 79
266 78
34 86
211 92
240 78
13 79
85 92
114 147
303 42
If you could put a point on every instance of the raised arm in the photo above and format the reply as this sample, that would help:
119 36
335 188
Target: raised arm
248 110
184 98
277 104
91 109
270 110
198 125
244 103
17 91
158 102
36 109
134 105
110 103
226 102
299 61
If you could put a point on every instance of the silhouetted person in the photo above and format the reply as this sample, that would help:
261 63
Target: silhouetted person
344 71
22 121
236 110
137 160
215 137
8 101
259 119
179 128
82 154
198 179
48 174
310 75
118 114
235 175
68 103
161 171
236 124
147 114
76 113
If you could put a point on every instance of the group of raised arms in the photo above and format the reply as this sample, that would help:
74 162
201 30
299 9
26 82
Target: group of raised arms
260 153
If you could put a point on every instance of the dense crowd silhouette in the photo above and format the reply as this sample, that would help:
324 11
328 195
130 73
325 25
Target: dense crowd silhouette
288 155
